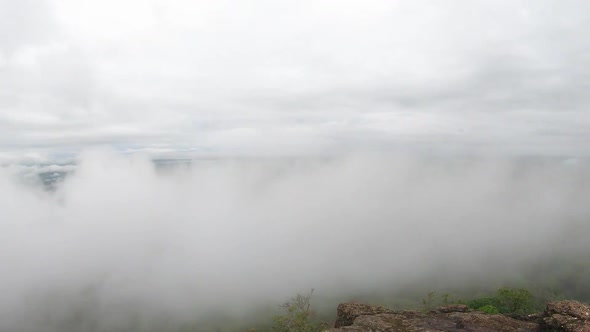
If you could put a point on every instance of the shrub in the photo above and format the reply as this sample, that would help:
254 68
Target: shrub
482 302
428 302
514 301
298 316
489 309
507 301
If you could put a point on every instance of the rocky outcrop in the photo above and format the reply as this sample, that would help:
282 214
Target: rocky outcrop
453 308
567 316
348 312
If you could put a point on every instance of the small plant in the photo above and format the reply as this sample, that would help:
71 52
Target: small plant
482 302
298 316
489 309
428 302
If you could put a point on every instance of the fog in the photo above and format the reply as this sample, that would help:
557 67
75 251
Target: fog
122 238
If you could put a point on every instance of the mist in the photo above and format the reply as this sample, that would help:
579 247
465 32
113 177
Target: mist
123 238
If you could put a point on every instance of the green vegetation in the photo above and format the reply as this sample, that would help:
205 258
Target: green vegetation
482 302
298 317
489 309
428 301
514 301
506 301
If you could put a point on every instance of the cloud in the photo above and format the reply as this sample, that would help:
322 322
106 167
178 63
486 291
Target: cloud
120 238
191 74
24 23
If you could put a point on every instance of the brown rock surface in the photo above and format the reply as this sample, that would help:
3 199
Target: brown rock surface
452 318
561 316
348 312
568 316
453 308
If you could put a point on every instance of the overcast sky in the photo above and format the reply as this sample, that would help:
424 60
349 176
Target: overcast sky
293 77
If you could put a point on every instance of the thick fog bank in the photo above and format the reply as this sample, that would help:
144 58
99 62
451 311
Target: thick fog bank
120 238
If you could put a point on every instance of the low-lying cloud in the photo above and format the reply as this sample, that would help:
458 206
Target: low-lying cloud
224 234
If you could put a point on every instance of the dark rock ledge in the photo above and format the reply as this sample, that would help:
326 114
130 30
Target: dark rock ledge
567 316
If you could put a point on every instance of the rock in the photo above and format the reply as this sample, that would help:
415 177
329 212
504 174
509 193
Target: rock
348 312
486 322
561 316
568 316
381 322
453 308
354 317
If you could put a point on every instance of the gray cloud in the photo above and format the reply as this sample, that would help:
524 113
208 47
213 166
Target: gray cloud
300 78
24 23
120 242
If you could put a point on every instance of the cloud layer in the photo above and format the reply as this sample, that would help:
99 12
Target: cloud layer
300 77
120 239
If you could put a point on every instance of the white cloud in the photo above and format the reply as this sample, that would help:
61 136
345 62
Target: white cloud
123 241
190 74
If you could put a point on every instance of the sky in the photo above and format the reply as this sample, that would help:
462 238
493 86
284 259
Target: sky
184 78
